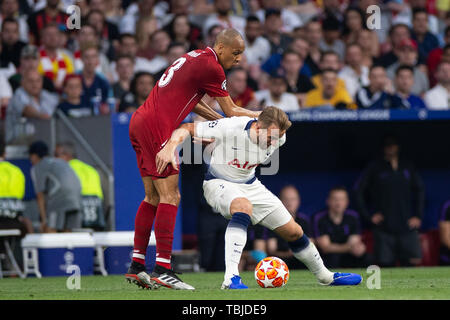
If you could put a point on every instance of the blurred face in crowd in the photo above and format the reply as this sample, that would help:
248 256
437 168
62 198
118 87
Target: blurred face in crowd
354 56
291 63
90 60
290 198
277 4
420 23
160 42
277 86
446 55
125 68
314 33
222 7
331 36
73 88
9 7
128 46
144 85
399 34
174 53
87 35
329 83
145 6
32 83
237 82
443 74
365 40
407 55
273 23
252 30
96 20
51 38
28 63
300 46
404 80
97 5
330 61
181 27
391 150
10 33
337 201
180 6
213 34
377 78
353 20
53 3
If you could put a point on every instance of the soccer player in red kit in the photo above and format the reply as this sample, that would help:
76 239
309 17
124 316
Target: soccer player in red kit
176 94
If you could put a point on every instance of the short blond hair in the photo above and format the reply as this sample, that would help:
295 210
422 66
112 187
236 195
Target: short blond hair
273 115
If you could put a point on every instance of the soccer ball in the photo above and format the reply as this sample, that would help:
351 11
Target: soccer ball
271 272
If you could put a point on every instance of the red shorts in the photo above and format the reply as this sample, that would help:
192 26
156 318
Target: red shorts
147 143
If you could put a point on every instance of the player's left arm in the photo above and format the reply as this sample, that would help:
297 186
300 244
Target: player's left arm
230 109
205 111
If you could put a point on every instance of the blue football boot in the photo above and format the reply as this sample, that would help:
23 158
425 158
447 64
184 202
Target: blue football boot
234 283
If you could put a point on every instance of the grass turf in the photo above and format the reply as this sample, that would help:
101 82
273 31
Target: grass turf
396 284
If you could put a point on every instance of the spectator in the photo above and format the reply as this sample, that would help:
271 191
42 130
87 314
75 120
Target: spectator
242 95
289 20
313 37
160 43
213 31
329 95
223 16
370 49
140 87
124 69
377 94
50 14
71 104
136 11
175 51
5 94
330 40
11 45
397 34
408 55
355 74
106 31
272 31
257 48
12 192
145 27
182 31
444 233
97 93
10 9
277 95
57 190
87 35
91 187
53 62
298 83
29 101
328 60
404 81
390 194
338 233
425 39
353 25
128 46
435 56
438 98
29 60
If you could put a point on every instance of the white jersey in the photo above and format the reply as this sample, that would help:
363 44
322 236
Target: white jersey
235 156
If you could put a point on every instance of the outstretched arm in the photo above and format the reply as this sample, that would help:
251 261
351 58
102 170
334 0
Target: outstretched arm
230 109
205 111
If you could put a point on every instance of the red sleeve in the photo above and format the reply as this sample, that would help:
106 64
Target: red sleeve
213 81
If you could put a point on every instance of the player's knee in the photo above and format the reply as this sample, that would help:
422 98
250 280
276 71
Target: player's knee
241 205
294 234
152 198
172 198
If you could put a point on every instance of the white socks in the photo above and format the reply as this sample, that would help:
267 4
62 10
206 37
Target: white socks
311 258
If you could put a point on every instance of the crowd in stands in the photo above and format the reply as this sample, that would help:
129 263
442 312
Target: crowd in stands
299 55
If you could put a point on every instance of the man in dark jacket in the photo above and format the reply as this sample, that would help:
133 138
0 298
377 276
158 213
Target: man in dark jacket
390 194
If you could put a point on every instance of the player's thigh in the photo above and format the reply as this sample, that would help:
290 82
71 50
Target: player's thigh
167 189
220 194
151 195
264 204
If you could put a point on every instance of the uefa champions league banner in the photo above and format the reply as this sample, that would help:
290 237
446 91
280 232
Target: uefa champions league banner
367 115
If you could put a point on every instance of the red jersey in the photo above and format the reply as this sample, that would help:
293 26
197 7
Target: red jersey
179 90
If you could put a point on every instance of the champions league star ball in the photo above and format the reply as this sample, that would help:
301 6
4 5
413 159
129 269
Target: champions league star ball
271 272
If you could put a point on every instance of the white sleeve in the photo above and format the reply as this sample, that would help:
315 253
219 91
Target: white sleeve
282 140
218 128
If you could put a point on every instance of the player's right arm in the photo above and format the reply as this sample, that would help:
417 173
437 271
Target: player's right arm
230 109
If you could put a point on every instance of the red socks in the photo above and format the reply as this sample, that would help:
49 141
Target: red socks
142 230
164 227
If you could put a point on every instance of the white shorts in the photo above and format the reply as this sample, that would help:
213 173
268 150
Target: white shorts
268 210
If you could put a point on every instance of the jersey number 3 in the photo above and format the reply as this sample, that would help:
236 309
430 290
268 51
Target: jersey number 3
165 79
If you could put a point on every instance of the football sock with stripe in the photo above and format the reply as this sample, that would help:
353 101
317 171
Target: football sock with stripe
305 251
142 229
164 227
235 240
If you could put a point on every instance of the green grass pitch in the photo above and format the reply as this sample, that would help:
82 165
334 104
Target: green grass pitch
396 284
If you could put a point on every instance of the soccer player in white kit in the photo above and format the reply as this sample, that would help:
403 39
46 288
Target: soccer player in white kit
232 189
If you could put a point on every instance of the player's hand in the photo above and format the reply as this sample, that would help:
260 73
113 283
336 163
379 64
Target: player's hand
203 141
414 223
164 157
377 218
